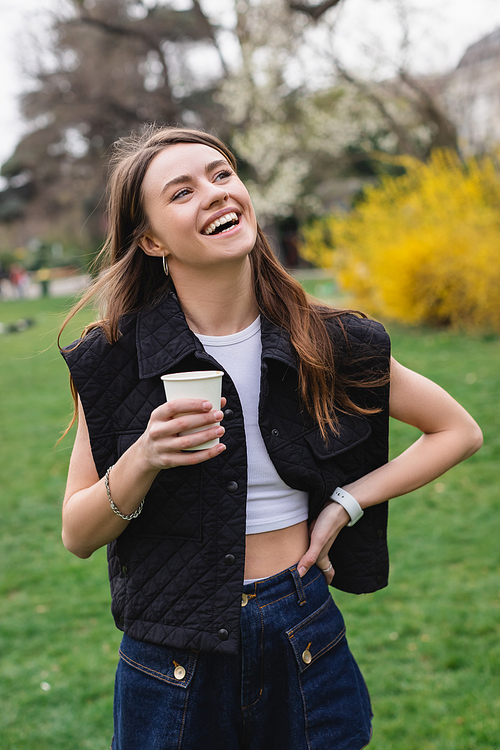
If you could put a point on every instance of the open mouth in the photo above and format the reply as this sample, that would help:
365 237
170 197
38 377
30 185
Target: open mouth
222 224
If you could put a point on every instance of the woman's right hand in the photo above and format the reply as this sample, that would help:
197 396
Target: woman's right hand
163 447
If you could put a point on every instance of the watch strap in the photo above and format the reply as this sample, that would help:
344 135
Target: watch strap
349 503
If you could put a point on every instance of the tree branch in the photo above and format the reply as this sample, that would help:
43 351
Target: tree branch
429 108
314 11
405 143
210 32
109 28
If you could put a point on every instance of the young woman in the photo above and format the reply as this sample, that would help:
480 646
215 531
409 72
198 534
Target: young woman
220 559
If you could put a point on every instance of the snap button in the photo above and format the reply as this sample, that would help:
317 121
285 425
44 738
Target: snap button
380 580
380 533
179 673
223 634
229 560
228 414
124 570
275 433
232 487
306 656
244 600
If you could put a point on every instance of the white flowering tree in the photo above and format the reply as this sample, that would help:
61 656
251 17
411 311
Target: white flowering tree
301 121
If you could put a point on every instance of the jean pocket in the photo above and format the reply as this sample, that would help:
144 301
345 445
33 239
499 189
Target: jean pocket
336 704
317 634
170 665
151 696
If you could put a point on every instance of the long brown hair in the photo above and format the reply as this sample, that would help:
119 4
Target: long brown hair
129 279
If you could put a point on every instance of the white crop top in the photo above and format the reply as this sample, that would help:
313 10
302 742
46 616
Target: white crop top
271 504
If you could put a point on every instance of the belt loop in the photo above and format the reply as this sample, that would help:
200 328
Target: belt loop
298 585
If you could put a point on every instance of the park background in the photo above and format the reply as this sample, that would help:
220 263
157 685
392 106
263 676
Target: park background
378 182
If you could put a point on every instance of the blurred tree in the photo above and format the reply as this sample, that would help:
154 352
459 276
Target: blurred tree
308 130
305 140
421 248
114 65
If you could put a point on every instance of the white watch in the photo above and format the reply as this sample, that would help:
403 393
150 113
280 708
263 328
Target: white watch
349 503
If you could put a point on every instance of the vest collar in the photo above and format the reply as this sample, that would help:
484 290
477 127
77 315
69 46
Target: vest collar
164 339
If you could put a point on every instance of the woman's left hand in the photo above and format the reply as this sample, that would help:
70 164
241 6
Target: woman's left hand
323 532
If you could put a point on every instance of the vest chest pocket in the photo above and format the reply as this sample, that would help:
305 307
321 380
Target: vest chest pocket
353 430
173 505
344 449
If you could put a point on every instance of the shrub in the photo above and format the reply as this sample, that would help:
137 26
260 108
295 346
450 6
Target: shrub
423 247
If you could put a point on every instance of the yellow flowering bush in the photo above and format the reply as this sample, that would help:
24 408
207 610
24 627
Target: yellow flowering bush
420 248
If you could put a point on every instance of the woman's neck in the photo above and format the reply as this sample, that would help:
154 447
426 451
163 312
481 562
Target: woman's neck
218 303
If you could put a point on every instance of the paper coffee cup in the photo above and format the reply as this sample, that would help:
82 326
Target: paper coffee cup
205 384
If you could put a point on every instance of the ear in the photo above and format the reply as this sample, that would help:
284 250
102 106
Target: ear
150 246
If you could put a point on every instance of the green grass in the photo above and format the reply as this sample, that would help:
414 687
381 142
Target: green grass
428 645
55 627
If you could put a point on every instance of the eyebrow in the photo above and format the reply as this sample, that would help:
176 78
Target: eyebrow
183 178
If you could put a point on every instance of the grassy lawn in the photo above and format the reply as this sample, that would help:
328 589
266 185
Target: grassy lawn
429 644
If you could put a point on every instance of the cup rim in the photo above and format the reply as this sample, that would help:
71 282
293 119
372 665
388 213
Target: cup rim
193 375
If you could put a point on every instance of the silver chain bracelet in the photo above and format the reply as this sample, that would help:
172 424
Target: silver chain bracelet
113 506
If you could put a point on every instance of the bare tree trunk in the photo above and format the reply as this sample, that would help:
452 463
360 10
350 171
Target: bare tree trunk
446 135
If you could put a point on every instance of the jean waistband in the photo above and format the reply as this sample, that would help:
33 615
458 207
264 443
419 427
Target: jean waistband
282 584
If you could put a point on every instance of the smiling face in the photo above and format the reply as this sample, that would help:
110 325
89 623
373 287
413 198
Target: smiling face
199 211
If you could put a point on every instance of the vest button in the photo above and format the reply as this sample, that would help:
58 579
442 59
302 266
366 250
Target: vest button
223 634
380 533
229 560
275 433
228 414
380 580
124 570
232 487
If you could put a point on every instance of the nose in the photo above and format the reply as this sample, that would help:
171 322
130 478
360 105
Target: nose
215 193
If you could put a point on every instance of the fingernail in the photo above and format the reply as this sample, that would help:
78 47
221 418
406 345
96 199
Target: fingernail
302 571
220 431
207 405
218 415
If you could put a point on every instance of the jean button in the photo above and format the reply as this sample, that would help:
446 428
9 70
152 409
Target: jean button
306 656
244 600
179 672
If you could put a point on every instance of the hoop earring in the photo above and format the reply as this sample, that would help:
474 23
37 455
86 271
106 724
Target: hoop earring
165 265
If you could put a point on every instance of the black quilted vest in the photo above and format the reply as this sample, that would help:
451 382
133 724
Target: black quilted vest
176 571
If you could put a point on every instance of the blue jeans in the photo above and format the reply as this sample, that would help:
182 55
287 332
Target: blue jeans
293 686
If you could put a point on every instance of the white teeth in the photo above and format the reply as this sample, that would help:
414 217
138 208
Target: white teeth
232 216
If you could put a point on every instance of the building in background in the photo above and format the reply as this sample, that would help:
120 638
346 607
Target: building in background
471 95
